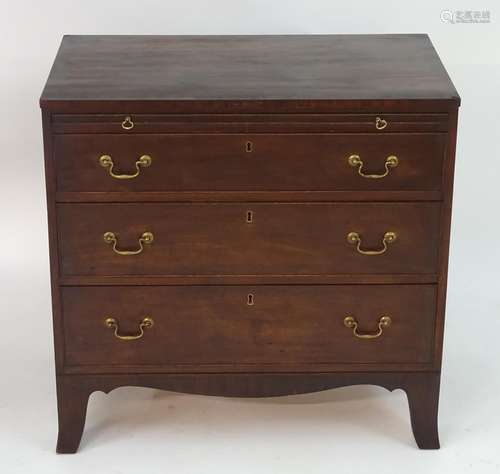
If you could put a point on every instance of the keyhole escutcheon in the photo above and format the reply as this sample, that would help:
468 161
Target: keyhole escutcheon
250 299
249 217
249 147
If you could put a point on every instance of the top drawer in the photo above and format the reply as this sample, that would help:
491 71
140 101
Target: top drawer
249 162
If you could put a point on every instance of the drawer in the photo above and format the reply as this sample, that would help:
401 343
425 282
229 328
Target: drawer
216 325
249 162
248 238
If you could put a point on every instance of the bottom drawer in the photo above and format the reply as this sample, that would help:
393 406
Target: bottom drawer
276 326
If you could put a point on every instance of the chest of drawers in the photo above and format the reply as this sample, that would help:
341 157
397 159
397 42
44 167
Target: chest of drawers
248 216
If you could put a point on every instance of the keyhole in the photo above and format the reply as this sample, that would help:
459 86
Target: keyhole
250 299
249 217
249 147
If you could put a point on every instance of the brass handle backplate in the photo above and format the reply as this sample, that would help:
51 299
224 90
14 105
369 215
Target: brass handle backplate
107 162
351 323
355 239
112 323
145 238
356 162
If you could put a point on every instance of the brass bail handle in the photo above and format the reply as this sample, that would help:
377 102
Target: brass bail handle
355 239
107 162
356 162
351 323
112 323
146 238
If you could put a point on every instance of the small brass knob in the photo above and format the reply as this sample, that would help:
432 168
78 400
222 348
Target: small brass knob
380 123
127 124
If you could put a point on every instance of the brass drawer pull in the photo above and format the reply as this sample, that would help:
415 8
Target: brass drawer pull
380 123
355 239
351 323
145 238
127 124
146 323
390 162
107 162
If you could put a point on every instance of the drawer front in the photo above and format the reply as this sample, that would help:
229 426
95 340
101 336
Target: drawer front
284 325
248 239
253 162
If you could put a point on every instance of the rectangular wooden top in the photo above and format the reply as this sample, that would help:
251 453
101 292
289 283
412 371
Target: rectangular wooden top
239 69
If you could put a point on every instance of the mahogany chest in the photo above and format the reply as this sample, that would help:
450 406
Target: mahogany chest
248 216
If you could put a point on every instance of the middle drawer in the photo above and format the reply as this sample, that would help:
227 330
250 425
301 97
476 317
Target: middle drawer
248 238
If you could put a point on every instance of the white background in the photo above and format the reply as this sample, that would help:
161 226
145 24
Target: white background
356 429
